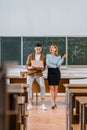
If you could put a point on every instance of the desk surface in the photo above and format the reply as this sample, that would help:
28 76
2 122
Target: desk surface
74 77
75 85
77 90
13 76
18 85
82 99
16 88
64 80
63 77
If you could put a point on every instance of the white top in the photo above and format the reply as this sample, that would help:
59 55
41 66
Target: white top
37 56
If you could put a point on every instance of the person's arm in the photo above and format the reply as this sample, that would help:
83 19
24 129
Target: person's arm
64 56
44 63
61 60
28 63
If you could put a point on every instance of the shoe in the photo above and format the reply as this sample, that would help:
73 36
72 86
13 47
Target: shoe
55 106
43 107
29 107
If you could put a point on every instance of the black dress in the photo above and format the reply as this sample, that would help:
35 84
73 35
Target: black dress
53 76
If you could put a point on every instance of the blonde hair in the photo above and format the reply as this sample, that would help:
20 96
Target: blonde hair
56 52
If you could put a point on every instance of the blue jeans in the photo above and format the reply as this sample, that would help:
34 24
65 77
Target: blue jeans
40 81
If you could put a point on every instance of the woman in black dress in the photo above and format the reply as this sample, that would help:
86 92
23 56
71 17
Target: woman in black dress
53 62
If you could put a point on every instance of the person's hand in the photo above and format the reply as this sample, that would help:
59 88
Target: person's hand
30 67
64 56
39 68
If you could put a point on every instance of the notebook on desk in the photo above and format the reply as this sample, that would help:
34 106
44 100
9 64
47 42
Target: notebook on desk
37 64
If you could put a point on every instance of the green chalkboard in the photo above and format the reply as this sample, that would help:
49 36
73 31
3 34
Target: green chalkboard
29 43
11 49
77 51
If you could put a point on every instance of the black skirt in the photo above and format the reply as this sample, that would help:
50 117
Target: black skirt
53 76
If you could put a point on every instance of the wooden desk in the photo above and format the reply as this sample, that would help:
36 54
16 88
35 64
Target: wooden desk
36 88
71 93
13 111
83 104
73 86
24 87
67 88
17 91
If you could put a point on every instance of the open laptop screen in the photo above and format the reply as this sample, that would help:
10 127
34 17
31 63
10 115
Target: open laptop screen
37 64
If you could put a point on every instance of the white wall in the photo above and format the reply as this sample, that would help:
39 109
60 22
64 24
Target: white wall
43 17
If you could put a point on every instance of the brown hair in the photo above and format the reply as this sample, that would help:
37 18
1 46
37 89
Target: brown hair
38 45
56 52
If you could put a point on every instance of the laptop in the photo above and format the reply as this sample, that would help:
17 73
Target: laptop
37 64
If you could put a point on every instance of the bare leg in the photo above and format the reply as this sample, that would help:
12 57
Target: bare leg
55 95
52 95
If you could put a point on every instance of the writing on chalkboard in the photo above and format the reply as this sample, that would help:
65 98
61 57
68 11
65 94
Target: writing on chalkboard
77 51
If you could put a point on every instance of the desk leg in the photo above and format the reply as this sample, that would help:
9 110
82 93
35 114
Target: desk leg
67 106
84 117
70 110
80 116
26 95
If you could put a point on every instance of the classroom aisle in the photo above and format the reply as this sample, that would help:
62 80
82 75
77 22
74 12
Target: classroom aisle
50 119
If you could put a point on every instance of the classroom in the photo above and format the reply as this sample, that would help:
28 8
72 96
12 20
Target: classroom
22 25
